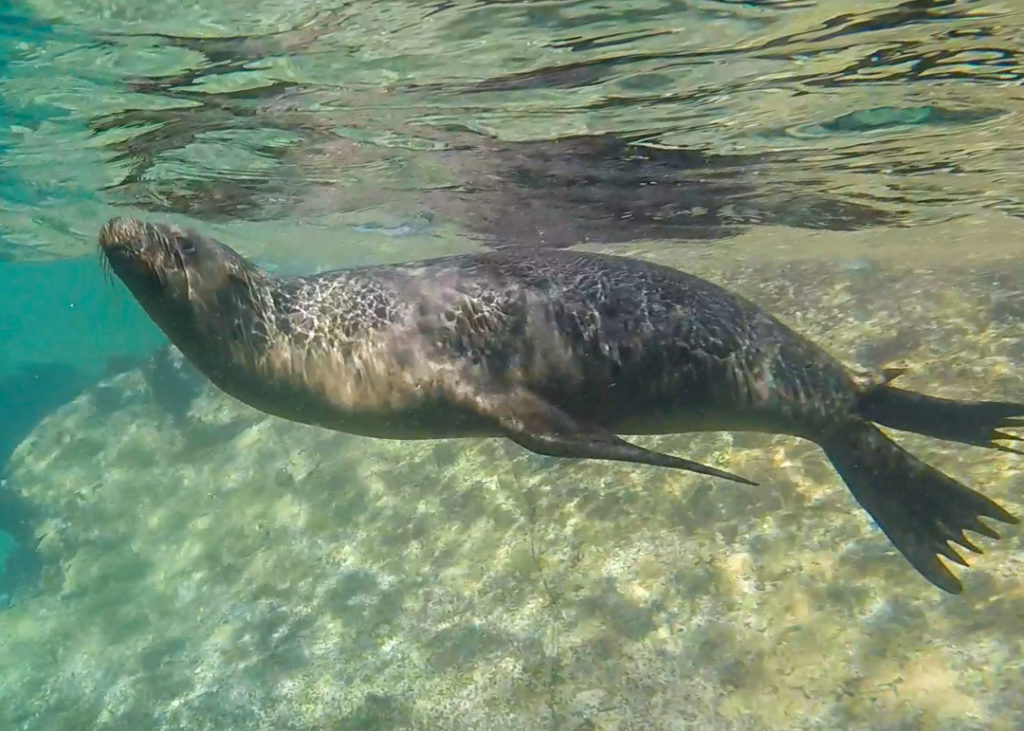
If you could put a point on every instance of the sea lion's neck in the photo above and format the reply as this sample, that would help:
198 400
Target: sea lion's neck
223 331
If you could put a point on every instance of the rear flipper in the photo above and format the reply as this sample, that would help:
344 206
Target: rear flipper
916 506
969 422
531 422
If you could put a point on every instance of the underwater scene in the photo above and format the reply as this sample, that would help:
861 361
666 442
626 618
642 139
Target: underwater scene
512 487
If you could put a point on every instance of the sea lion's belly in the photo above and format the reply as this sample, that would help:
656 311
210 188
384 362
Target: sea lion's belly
391 394
411 413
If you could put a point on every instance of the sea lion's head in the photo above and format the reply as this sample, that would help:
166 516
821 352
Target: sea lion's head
186 282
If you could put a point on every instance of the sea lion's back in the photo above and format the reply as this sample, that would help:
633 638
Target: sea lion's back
613 300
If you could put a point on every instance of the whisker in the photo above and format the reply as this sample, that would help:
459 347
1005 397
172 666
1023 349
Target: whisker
184 269
106 268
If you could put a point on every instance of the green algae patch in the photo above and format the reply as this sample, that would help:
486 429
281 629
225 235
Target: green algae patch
245 572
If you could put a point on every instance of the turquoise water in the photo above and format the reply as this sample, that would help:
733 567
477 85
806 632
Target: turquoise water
171 559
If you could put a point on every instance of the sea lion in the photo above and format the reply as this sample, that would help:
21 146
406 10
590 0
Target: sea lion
559 351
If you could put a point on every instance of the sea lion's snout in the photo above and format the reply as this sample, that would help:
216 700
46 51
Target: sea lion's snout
155 244
147 257
162 262
129 241
121 232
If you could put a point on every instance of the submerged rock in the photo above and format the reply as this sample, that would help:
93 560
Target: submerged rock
246 572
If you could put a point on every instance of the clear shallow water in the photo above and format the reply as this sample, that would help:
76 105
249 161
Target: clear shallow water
216 570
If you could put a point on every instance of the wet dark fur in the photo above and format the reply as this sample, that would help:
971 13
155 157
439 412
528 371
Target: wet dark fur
558 351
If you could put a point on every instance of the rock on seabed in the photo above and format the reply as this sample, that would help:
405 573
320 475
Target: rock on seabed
243 572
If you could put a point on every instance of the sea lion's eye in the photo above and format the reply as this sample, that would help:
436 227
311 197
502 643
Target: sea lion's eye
187 246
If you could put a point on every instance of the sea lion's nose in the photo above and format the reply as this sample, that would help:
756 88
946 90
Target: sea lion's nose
120 230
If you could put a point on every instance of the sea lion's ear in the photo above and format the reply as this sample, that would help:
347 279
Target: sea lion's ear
531 422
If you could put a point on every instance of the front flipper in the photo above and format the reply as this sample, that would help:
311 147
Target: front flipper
532 422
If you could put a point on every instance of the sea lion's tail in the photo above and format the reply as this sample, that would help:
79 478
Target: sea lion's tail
969 422
920 509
